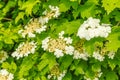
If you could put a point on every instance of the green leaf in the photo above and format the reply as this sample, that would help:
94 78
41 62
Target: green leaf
110 5
63 7
69 27
12 67
92 44
28 6
67 76
66 62
112 64
96 67
114 42
47 59
5 65
81 68
66 4
9 5
88 9
111 76
20 16
26 65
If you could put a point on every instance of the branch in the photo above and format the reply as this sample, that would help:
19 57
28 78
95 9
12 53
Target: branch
7 19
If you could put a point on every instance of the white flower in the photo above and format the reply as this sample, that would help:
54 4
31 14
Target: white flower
96 78
33 26
61 76
45 12
45 43
3 56
98 56
39 30
29 35
24 49
5 75
43 20
92 22
69 50
111 54
58 53
78 55
61 34
91 28
54 9
68 40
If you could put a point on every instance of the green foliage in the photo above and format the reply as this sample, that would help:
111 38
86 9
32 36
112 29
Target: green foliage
110 5
15 15
113 40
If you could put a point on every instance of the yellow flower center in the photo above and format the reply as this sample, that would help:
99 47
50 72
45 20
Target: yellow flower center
56 44
32 26
25 48
2 77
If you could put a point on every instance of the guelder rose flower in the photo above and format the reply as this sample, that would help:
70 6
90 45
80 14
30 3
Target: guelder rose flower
5 75
34 26
80 55
24 49
59 46
98 56
111 54
58 53
91 28
52 13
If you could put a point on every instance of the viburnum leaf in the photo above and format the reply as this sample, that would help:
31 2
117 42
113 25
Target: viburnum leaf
111 76
28 6
20 16
114 41
110 5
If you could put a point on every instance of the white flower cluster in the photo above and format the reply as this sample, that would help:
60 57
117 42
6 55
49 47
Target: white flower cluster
96 77
53 13
91 28
111 54
80 55
5 75
59 46
24 49
38 25
34 26
61 75
98 56
58 77
3 56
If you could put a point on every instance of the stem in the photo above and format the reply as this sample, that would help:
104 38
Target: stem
7 19
118 23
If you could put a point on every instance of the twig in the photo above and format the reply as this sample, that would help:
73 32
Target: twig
7 19
118 23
